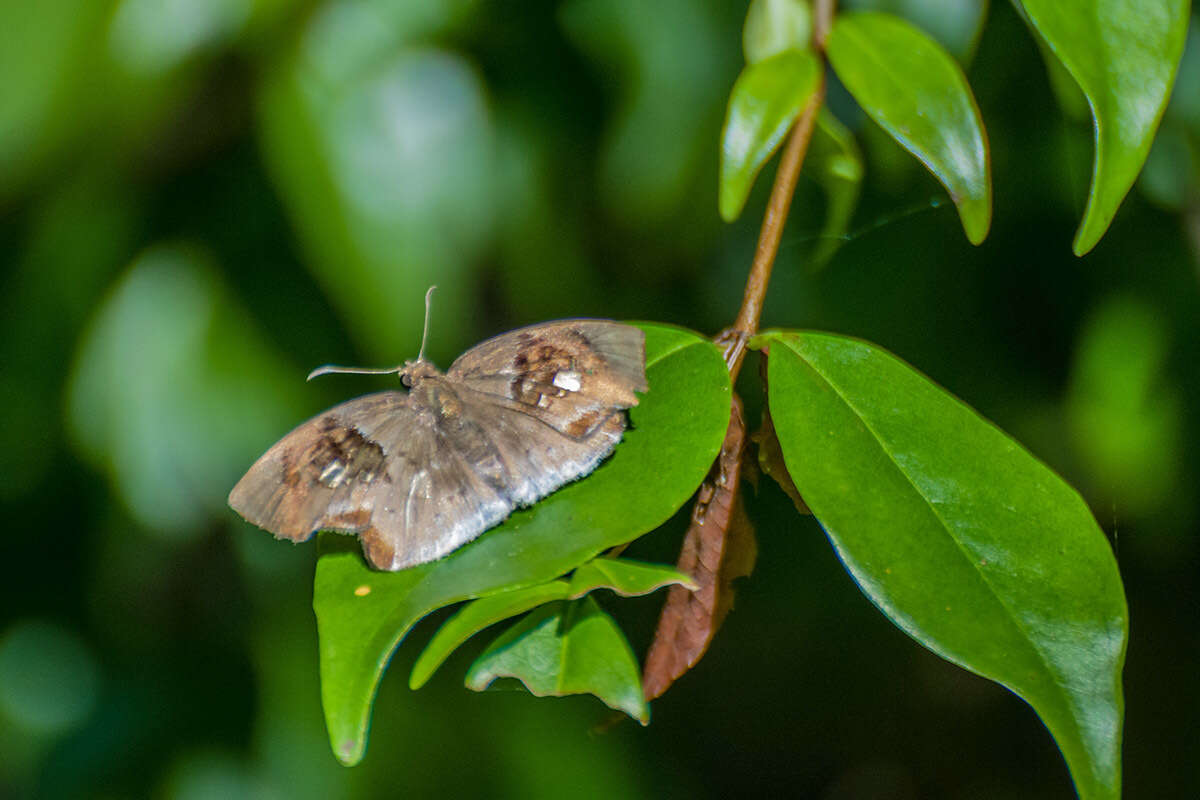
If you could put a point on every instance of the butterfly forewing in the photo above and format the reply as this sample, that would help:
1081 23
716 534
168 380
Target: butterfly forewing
328 472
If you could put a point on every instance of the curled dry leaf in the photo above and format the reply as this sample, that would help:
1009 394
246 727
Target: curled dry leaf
719 547
770 454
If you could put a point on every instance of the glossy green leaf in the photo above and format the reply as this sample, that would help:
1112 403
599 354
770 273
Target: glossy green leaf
916 91
765 101
474 617
563 649
362 615
961 537
1123 54
626 578
956 24
836 162
775 26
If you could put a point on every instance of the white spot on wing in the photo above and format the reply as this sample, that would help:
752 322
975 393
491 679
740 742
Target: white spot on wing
333 473
567 379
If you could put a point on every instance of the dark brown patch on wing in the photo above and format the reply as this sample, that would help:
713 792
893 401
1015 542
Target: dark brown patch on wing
337 456
375 547
540 361
583 425
355 520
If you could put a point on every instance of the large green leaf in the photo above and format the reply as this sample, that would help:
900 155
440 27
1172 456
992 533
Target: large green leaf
626 578
567 648
1123 54
362 615
916 91
962 538
765 101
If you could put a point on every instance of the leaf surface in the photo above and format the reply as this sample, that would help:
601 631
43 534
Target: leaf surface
626 578
564 649
767 98
963 539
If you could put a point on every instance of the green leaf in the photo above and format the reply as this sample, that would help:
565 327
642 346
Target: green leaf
916 91
1123 54
956 24
567 648
961 537
362 615
474 617
626 578
765 101
775 26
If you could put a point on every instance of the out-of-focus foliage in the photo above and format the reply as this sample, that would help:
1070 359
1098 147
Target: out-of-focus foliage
199 201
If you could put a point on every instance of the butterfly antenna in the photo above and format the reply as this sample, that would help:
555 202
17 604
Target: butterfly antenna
425 332
330 369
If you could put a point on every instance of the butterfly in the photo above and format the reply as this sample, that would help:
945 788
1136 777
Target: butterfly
416 475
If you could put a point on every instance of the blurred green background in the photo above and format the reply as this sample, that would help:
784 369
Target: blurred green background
200 200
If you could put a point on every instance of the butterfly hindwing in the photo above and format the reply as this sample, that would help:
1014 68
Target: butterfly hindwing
572 375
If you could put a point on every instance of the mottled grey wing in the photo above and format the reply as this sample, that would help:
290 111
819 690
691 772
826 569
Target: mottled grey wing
573 375
481 461
383 466
331 471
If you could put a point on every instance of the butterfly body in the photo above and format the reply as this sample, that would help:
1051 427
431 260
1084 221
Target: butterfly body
421 473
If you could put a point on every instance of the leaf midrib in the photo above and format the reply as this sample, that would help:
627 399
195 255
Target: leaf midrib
1010 616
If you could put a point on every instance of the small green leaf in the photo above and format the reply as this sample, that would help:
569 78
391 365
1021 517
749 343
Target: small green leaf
1123 54
775 26
765 101
834 159
967 542
956 24
626 578
567 648
474 617
916 91
362 615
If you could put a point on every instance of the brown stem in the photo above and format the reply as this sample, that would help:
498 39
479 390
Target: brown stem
734 338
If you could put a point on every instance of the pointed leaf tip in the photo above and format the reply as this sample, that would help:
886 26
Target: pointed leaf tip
916 91
764 103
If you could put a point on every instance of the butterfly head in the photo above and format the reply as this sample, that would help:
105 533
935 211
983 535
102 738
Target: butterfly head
416 370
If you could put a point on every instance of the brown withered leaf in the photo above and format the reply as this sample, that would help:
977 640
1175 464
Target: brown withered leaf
719 547
770 455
